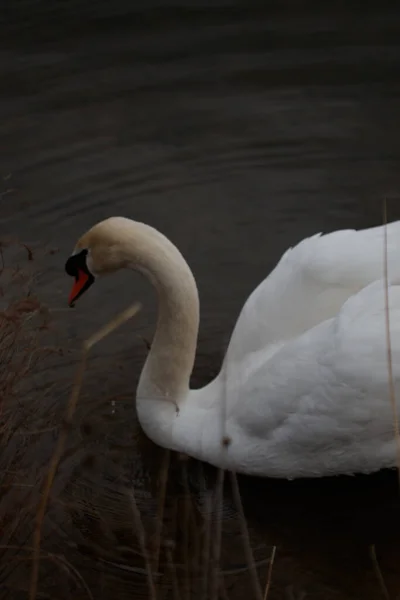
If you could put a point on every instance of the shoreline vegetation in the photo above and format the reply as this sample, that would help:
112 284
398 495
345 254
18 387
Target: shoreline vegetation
62 511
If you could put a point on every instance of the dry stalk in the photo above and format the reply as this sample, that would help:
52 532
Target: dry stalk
216 546
378 573
185 524
195 545
269 575
174 579
60 561
141 535
55 459
160 507
206 548
246 539
65 564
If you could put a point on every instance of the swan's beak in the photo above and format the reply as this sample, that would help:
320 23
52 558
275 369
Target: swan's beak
82 282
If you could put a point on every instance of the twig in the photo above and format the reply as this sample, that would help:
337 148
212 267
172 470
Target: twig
120 319
217 536
206 547
29 251
71 569
378 572
141 535
246 538
185 525
269 576
170 562
195 546
160 507
60 561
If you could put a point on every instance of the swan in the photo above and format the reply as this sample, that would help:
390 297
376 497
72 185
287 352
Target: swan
303 389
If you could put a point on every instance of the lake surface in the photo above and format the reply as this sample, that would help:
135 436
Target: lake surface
237 130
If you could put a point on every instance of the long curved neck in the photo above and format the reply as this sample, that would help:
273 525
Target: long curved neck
168 367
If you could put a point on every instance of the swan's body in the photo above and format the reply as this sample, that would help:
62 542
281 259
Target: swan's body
303 390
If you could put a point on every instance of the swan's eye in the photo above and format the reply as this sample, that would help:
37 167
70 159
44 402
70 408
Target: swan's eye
75 262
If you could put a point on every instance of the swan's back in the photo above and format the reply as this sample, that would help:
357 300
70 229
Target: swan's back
320 405
310 284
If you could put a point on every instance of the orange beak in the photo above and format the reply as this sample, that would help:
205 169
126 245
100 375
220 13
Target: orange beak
80 285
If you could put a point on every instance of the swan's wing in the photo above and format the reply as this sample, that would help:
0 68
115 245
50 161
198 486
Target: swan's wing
320 405
310 284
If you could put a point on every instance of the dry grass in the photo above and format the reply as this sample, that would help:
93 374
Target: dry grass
184 558
23 327
29 426
56 457
196 572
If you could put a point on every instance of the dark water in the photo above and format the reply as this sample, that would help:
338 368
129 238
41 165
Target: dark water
237 130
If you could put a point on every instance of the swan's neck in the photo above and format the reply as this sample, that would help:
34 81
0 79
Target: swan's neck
168 367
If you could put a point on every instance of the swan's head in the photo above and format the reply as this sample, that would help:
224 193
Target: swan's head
97 252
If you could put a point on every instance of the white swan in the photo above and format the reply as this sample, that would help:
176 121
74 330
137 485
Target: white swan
303 390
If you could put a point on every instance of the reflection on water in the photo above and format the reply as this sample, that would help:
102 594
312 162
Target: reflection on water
236 131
